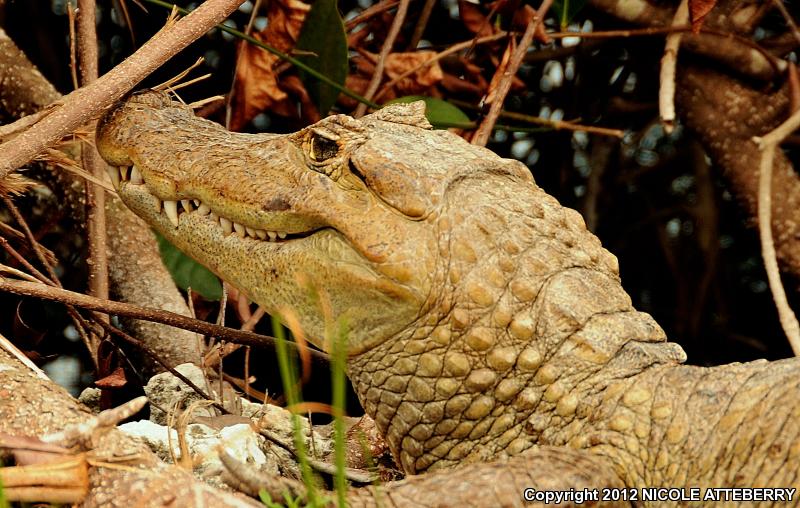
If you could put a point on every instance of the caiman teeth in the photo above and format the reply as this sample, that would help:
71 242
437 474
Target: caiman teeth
136 176
239 229
227 226
113 173
171 209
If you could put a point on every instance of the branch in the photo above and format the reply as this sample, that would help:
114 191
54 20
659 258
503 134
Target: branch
94 165
485 129
666 95
768 144
134 311
723 46
388 44
83 104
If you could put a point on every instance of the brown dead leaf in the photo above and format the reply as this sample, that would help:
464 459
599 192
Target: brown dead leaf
698 10
15 184
524 16
257 87
457 85
421 79
358 83
474 73
474 19
116 379
295 87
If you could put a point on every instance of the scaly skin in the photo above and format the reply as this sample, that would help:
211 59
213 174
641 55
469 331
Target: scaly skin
486 321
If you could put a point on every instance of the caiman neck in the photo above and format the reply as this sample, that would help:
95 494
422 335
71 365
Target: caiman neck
526 333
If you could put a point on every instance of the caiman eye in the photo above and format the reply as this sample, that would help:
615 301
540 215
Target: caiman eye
322 148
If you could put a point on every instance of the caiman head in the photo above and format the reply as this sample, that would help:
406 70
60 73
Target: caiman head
338 220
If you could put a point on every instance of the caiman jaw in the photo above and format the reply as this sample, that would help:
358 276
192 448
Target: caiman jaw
173 210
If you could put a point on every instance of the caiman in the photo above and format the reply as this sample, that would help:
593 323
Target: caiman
488 330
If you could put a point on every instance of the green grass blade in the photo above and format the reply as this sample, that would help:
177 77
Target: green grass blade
338 381
3 500
289 378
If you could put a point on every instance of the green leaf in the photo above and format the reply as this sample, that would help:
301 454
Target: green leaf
566 10
323 35
437 110
188 273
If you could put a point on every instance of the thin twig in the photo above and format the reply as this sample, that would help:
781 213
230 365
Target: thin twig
370 12
669 62
455 48
788 17
126 17
768 144
775 63
189 82
85 103
553 124
422 23
18 273
73 60
487 125
171 81
388 44
152 354
11 349
136 312
37 275
202 102
39 251
58 158
94 165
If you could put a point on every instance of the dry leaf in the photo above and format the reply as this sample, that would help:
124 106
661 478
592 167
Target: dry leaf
422 81
456 85
358 83
256 86
474 19
116 379
15 184
524 16
698 10
422 78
